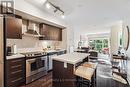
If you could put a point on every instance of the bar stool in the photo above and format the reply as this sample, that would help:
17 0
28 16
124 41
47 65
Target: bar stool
93 57
85 76
90 65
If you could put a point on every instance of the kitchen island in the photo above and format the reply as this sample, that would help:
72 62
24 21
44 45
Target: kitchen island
64 67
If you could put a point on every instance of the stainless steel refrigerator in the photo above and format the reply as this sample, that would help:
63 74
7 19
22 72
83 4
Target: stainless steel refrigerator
1 52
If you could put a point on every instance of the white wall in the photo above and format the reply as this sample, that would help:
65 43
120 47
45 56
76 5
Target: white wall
70 38
79 30
116 29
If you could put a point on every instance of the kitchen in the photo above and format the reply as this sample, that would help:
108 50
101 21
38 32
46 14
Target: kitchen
30 47
40 46
34 40
38 57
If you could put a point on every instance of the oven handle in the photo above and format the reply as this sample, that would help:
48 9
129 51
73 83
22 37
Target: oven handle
31 60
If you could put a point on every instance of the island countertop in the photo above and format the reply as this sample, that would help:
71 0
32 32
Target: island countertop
71 58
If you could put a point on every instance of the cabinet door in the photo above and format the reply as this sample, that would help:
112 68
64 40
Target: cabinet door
44 31
57 35
13 27
15 72
50 32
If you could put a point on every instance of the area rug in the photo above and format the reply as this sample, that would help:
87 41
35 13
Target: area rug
104 71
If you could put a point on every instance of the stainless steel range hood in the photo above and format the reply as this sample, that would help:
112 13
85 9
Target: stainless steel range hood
32 30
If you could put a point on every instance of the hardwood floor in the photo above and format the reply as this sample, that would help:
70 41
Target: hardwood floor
45 81
104 79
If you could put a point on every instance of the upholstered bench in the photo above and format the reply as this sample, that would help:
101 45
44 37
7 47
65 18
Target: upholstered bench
85 76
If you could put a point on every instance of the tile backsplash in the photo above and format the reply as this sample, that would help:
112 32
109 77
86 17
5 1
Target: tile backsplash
30 43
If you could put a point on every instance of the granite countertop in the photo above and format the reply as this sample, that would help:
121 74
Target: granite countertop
14 56
71 58
79 50
93 51
49 51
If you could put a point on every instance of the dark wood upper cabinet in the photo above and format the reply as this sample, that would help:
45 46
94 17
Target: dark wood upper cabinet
13 27
57 34
50 32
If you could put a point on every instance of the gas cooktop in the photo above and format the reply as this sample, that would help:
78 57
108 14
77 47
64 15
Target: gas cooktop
33 54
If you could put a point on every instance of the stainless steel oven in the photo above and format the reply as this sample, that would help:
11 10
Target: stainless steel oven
42 64
31 67
36 67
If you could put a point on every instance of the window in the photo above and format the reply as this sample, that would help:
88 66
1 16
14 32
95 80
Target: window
101 45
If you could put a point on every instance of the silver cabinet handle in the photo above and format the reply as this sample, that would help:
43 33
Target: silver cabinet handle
16 66
16 80
16 72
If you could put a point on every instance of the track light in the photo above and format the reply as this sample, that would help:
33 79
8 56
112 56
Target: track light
56 8
48 5
63 16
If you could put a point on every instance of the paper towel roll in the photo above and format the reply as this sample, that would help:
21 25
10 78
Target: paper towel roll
14 49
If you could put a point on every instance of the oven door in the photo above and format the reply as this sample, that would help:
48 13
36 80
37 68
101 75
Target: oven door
31 67
42 64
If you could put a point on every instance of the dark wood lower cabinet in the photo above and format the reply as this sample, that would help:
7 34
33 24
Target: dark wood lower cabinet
63 77
15 72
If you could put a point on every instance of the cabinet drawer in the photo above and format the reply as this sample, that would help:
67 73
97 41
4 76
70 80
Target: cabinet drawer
15 79
15 74
15 67
15 62
15 82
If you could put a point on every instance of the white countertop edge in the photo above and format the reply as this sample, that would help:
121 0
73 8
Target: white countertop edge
15 56
20 55
70 62
50 51
61 58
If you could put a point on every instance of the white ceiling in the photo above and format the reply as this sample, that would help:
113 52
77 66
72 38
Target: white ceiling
91 12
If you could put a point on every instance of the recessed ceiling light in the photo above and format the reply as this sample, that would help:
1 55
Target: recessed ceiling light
48 5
